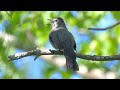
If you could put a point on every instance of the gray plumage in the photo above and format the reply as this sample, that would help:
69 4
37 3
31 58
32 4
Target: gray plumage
62 39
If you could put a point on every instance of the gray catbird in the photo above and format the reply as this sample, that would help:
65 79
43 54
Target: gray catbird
62 39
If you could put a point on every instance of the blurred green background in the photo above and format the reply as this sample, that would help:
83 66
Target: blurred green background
21 31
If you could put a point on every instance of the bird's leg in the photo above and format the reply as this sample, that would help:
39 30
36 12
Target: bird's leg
60 50
52 51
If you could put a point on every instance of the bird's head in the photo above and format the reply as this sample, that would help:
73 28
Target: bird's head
57 22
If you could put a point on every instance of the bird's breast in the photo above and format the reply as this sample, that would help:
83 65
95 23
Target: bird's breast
55 40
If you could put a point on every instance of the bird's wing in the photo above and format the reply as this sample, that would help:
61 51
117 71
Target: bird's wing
67 38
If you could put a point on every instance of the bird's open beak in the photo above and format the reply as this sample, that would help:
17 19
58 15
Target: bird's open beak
50 20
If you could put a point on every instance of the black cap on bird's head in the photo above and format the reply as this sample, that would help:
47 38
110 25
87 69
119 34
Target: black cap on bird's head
60 19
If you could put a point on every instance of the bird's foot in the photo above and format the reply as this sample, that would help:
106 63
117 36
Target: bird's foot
52 51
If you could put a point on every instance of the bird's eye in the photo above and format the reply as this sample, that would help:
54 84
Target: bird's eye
55 20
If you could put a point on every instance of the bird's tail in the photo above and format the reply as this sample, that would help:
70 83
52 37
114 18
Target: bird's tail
71 59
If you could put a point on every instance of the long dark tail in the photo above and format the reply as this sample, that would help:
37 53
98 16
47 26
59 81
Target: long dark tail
71 59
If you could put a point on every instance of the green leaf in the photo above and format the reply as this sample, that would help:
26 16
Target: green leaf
116 14
16 17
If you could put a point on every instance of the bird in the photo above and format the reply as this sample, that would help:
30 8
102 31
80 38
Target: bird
61 39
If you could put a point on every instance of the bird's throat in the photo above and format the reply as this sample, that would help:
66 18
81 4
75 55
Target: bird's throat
59 28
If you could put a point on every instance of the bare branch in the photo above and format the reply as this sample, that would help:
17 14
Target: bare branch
61 63
38 52
105 28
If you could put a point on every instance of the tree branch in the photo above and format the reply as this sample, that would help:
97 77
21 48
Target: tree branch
38 52
99 74
105 28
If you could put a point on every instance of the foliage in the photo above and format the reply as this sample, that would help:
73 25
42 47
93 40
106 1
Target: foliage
30 30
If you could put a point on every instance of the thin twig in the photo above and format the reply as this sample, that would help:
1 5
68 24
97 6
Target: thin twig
105 28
